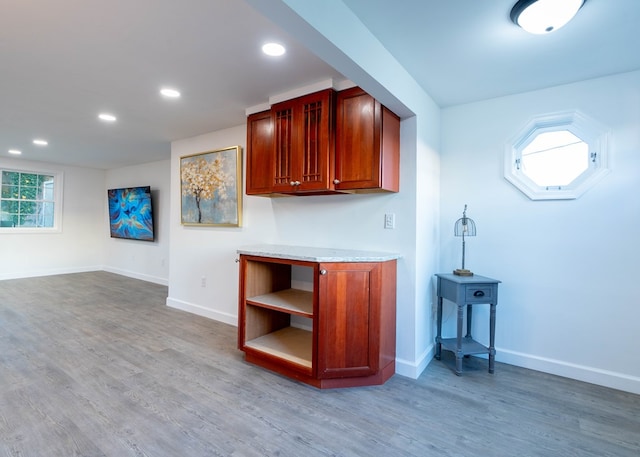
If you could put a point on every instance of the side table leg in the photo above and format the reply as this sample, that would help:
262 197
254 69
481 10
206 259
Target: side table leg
459 354
439 330
492 337
469 316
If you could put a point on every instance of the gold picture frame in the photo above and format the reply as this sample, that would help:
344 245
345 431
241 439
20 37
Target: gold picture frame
211 188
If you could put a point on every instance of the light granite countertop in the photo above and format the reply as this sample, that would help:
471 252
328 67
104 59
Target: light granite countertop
314 254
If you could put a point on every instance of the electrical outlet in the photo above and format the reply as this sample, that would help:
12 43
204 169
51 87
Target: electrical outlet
389 221
203 282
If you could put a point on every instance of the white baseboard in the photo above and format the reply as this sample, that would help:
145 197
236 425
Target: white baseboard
605 378
411 369
49 272
64 271
135 275
202 311
614 380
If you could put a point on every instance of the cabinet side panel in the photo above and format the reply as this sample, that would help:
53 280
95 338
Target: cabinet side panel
390 151
388 315
259 153
242 273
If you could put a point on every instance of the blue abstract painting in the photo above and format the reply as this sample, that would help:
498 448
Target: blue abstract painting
131 213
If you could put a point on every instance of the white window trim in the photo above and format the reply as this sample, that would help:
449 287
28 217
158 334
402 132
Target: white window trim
58 177
593 133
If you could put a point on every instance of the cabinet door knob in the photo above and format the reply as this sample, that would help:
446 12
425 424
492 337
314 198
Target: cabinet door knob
297 183
323 272
336 181
293 183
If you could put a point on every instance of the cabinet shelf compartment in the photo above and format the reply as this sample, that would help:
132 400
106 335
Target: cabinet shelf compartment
269 332
290 343
328 324
293 301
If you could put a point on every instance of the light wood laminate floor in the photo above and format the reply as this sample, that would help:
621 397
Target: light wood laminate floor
95 364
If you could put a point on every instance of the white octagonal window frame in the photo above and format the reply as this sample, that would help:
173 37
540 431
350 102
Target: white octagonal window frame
592 133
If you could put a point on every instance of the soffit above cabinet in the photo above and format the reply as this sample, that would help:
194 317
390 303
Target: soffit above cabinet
299 92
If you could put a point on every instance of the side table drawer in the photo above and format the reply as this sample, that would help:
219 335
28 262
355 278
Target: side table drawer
480 293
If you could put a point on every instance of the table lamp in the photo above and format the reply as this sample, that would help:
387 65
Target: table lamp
464 227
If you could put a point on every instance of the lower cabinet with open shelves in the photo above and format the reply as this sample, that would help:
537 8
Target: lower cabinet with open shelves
335 327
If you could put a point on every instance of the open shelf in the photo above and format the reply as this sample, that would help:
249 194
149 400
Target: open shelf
290 343
469 346
292 301
325 323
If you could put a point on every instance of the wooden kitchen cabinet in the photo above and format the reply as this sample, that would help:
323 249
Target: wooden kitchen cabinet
367 144
338 332
303 143
293 148
290 148
259 153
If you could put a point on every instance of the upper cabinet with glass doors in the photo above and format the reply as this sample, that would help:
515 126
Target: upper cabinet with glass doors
297 148
303 143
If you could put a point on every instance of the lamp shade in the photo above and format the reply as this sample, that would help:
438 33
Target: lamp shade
464 227
544 16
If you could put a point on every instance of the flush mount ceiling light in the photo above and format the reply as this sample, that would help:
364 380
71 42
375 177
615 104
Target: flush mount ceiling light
40 142
544 16
273 49
169 93
15 152
107 117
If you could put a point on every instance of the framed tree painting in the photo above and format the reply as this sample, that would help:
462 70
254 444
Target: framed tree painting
211 188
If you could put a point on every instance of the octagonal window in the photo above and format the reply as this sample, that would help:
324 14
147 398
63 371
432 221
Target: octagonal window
557 156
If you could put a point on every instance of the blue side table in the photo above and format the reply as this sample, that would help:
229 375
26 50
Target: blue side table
467 291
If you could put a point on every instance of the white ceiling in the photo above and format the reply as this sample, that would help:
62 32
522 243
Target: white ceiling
461 51
63 62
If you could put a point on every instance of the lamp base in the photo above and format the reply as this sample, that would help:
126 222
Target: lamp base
462 272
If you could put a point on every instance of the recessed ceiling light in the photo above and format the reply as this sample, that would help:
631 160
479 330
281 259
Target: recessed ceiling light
273 49
15 152
40 142
170 93
107 117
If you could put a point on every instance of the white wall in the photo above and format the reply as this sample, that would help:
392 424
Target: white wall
210 252
568 301
144 260
78 247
